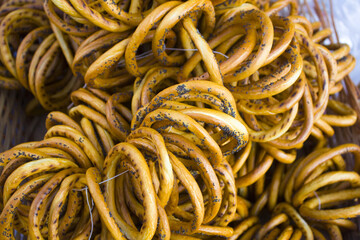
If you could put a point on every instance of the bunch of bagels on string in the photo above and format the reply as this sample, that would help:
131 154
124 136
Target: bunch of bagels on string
177 120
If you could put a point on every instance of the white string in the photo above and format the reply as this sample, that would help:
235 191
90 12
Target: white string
92 204
91 216
195 50
113 177
170 129
150 53
318 198
92 200
85 188
140 56
72 104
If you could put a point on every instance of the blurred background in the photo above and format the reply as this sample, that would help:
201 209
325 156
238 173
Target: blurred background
347 22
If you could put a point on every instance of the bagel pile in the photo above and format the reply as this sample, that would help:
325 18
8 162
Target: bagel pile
196 119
